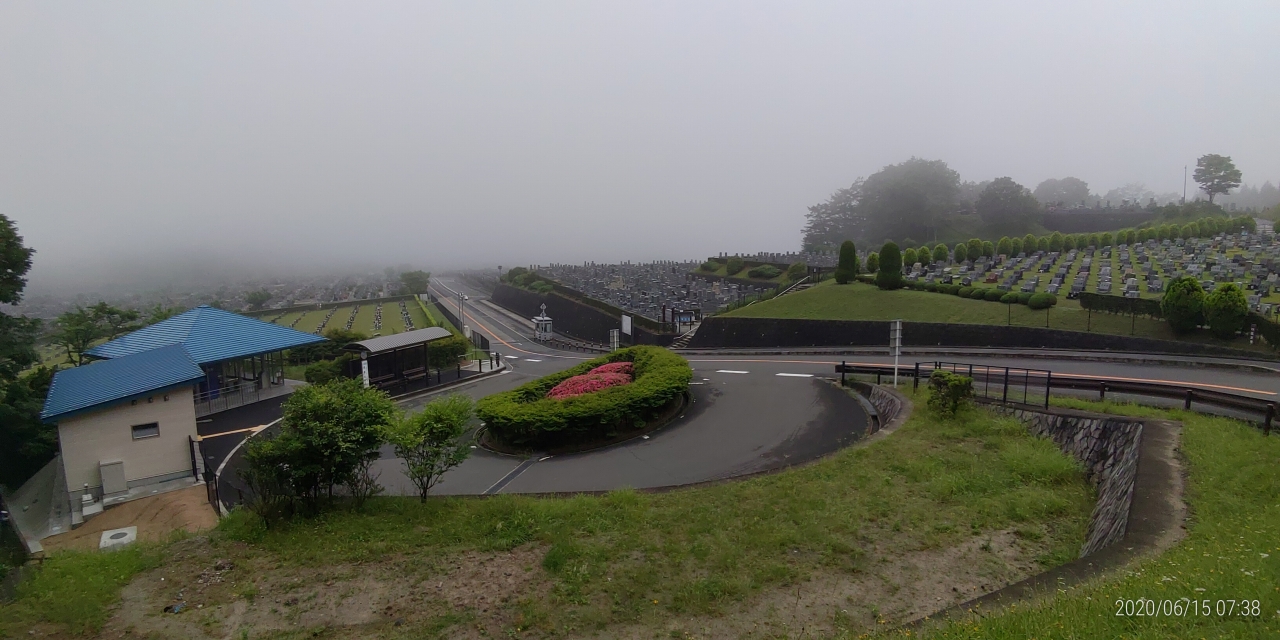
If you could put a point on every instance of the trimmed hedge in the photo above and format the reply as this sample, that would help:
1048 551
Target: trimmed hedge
525 417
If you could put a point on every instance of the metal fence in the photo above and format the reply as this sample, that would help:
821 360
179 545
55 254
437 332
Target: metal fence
1033 386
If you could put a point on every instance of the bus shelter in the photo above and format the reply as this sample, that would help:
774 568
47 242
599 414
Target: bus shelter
402 361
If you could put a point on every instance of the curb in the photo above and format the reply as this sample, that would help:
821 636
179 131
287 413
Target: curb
1135 358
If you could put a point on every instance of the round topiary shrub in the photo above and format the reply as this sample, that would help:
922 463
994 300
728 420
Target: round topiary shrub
931 286
1042 300
965 292
1009 298
1024 297
525 417
994 295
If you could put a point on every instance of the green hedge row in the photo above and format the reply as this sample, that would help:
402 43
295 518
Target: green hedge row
1120 304
525 417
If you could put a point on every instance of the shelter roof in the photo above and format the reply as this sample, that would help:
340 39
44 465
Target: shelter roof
400 340
99 384
209 335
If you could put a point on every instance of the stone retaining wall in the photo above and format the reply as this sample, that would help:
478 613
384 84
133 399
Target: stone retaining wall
887 405
1108 447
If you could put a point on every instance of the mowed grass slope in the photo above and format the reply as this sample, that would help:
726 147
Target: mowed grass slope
858 301
628 558
1231 552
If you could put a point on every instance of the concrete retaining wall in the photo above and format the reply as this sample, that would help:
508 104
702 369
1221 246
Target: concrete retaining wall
573 318
1108 447
718 332
887 405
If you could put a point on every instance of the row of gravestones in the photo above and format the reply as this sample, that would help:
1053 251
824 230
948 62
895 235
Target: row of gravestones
645 288
1146 267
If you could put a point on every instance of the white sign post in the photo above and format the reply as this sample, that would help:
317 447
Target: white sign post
613 339
895 347
364 367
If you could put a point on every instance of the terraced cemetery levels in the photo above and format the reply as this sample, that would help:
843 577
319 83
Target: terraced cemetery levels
370 317
1141 270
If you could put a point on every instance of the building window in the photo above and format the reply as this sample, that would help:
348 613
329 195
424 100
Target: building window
149 430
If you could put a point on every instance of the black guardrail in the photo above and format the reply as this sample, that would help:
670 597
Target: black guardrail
1006 384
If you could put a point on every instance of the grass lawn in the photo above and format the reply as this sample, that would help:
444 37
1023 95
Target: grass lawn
364 318
857 301
288 318
312 318
627 560
416 311
11 552
1232 550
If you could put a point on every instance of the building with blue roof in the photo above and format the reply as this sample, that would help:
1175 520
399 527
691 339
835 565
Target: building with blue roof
127 420
241 356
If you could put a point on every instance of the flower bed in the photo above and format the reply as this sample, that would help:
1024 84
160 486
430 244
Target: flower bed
600 405
590 382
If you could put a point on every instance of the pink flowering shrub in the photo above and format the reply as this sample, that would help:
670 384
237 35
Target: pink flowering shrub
615 367
602 377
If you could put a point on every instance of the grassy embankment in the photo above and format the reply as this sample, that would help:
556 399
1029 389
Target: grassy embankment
723 272
629 558
1231 552
857 301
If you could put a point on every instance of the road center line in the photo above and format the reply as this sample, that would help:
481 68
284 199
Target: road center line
795 375
730 371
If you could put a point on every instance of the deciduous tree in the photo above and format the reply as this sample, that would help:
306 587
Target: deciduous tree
432 441
1216 174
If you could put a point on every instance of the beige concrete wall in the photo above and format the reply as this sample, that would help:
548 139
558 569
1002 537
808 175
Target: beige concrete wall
107 434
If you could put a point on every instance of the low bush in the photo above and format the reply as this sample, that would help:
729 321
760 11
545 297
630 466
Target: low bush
733 265
709 265
1009 297
446 351
948 391
1039 301
764 272
965 292
1024 297
931 286
525 417
994 295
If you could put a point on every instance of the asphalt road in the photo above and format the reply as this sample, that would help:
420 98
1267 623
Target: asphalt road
749 413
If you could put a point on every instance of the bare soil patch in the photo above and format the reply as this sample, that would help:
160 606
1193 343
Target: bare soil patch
476 595
157 517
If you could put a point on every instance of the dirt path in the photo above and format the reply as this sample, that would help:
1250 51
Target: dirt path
156 517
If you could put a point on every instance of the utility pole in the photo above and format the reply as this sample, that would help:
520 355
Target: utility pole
1184 184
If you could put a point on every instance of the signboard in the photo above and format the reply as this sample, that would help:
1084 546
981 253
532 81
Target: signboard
626 324
364 368
895 338
613 339
895 346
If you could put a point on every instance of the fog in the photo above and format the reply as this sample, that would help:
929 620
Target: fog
154 141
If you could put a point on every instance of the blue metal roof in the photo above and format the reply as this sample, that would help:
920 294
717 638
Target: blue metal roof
113 381
210 335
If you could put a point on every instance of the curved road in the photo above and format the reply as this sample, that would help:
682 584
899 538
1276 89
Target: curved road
749 413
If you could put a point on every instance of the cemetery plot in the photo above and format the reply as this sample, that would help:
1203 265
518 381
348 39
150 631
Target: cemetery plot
644 288
1139 271
366 316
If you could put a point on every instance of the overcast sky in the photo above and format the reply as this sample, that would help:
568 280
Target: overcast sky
143 138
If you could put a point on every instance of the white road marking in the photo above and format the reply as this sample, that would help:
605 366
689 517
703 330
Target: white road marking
531 360
697 383
512 357
730 371
795 375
